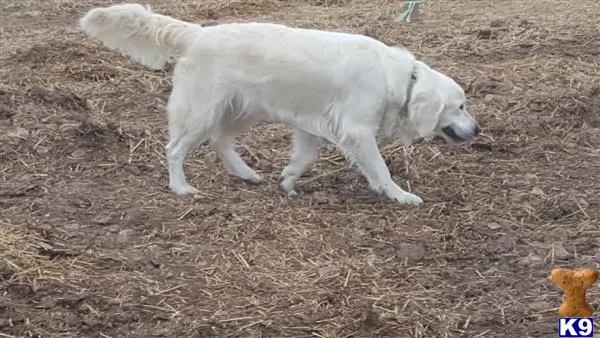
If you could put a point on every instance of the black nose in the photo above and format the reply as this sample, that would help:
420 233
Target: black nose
476 130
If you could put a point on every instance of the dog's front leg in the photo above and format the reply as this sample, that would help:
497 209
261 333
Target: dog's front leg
362 148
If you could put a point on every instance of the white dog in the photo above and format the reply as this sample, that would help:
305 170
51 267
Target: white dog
345 88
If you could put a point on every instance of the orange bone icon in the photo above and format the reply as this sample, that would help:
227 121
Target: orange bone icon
574 282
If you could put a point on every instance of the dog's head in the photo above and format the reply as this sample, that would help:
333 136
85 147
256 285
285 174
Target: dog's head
437 107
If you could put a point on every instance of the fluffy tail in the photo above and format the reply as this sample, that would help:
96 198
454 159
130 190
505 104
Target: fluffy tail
148 38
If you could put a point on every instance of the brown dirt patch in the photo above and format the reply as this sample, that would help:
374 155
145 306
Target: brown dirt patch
92 243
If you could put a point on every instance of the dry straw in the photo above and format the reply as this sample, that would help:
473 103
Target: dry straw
92 243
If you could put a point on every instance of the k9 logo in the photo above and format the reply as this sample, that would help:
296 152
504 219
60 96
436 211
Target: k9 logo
575 327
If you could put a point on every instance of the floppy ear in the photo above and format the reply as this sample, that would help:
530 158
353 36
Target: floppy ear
424 110
425 102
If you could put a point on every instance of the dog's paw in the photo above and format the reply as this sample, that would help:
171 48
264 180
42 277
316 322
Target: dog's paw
408 198
247 175
288 186
184 190
253 178
404 197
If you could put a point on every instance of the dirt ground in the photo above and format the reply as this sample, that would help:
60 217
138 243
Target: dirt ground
93 244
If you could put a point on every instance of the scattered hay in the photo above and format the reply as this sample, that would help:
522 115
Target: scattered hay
92 243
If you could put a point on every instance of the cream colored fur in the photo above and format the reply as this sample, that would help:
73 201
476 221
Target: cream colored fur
149 38
347 89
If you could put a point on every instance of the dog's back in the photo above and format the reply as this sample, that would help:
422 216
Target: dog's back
280 38
279 61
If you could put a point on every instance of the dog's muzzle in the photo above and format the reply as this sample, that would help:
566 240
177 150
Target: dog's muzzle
461 137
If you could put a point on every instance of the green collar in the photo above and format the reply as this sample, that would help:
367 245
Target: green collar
411 85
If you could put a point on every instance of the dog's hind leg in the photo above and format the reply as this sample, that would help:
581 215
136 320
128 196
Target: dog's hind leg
224 146
238 115
305 147
177 149
181 142
184 134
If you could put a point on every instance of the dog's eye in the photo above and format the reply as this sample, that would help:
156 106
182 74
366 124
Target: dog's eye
461 107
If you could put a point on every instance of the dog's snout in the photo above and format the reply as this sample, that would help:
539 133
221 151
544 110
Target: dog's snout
457 134
450 132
